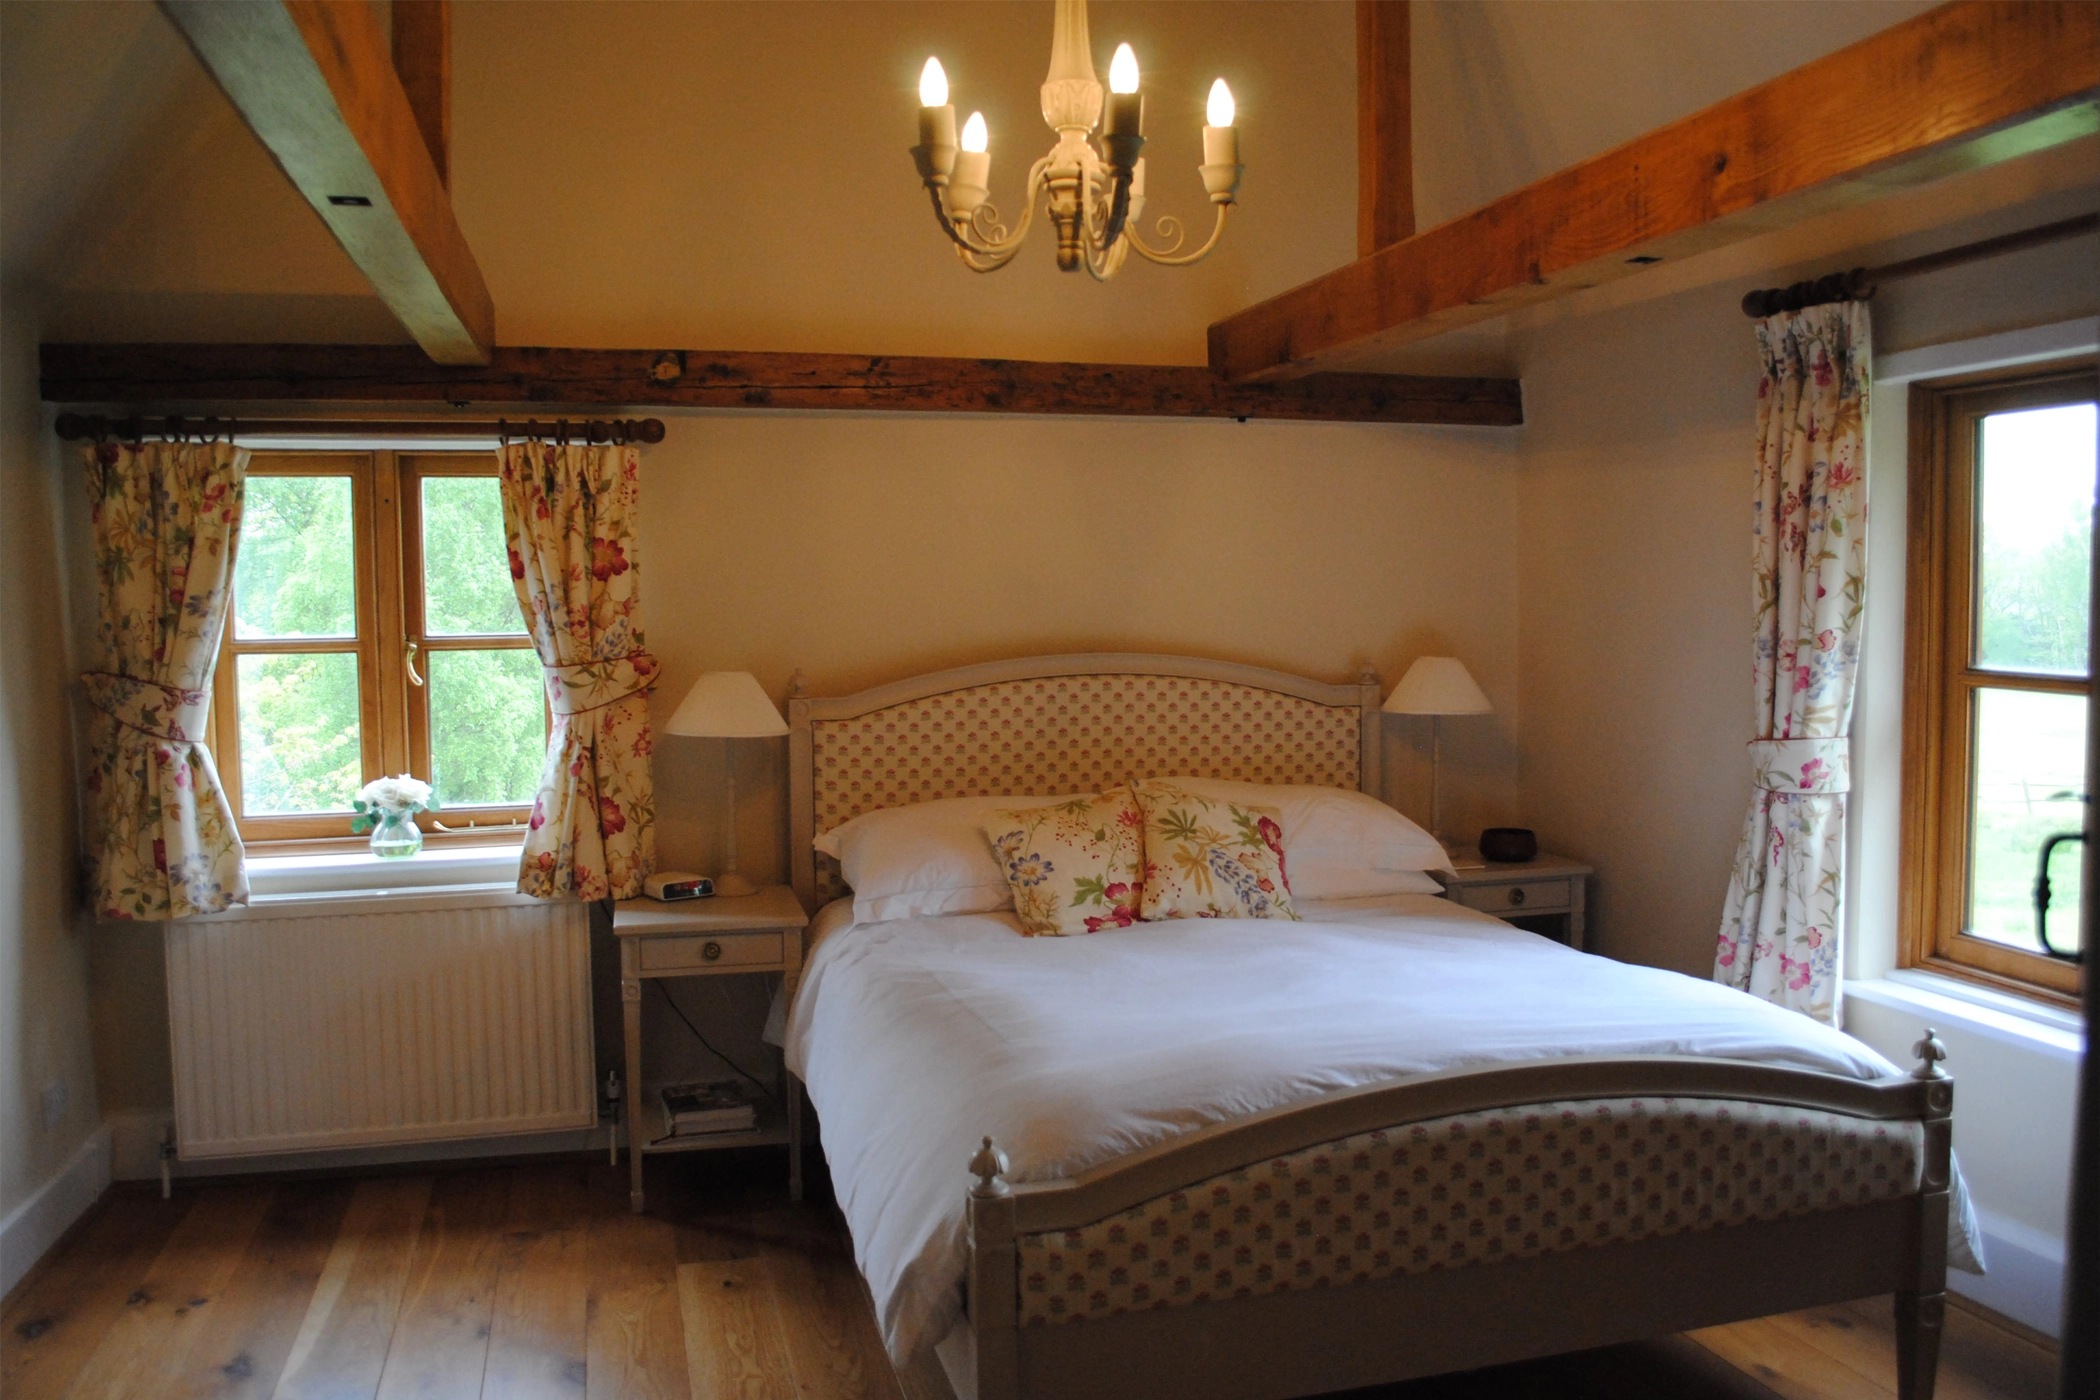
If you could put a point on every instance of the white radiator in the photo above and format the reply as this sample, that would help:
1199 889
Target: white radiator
416 1024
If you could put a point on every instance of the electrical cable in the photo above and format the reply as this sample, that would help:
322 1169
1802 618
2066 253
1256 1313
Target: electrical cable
672 1002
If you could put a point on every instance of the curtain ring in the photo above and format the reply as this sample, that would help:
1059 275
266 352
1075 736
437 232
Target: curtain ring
502 433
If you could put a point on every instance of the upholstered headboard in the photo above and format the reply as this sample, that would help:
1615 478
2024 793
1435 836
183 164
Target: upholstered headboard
1050 725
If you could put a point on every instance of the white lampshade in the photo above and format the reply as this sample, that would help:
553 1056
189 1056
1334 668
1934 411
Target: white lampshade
1437 685
727 705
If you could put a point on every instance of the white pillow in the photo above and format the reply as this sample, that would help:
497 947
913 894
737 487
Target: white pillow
1338 844
927 858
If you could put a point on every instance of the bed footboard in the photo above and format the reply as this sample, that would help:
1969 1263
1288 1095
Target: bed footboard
1464 1219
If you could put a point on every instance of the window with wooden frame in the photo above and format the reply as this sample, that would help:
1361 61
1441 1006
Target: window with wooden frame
1997 671
375 630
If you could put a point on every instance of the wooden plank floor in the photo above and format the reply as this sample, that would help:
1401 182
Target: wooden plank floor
534 1281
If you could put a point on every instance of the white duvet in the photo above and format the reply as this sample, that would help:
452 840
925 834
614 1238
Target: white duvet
918 1037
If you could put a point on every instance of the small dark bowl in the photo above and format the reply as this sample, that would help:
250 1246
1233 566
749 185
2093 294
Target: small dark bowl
1509 845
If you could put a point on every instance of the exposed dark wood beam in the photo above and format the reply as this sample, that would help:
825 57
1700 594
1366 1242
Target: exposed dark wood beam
1966 85
315 80
1385 150
423 62
160 377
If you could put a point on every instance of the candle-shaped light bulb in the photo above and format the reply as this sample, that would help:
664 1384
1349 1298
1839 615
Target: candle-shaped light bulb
1221 147
1123 70
973 170
1126 109
935 152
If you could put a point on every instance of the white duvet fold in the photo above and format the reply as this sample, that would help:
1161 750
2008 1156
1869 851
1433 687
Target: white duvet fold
920 1036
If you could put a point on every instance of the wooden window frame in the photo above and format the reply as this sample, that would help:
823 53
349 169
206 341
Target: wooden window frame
393 709
1940 684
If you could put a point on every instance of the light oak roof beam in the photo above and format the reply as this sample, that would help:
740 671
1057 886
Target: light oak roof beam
1385 150
1966 85
316 81
423 62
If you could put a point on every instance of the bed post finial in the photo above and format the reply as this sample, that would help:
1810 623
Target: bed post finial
797 683
1930 1051
1368 675
990 1166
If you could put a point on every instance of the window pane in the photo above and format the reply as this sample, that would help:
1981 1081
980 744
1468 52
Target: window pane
466 565
2030 777
488 728
2035 533
295 573
299 733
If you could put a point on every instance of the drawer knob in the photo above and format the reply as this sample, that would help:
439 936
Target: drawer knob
1516 896
712 952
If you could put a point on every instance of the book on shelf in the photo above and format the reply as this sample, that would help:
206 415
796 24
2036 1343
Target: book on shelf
723 1106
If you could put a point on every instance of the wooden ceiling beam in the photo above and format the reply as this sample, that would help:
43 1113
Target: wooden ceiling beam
316 81
422 45
158 378
1969 84
1385 149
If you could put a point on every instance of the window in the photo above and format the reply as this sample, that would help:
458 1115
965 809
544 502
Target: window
1997 671
374 630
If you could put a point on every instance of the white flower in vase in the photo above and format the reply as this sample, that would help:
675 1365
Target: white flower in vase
386 807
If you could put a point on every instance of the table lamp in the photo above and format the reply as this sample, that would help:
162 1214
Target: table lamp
728 705
1437 686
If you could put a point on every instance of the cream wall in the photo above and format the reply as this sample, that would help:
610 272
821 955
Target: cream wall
44 1041
865 548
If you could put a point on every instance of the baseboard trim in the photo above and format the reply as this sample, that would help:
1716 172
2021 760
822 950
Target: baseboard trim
138 1136
2026 1278
39 1222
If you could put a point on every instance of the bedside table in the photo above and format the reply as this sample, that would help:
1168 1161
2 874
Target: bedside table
1549 887
753 933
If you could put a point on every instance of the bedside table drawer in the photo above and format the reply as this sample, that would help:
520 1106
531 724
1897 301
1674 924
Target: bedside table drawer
710 952
1520 897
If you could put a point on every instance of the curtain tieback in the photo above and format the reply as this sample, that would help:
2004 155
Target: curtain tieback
596 684
168 713
1806 766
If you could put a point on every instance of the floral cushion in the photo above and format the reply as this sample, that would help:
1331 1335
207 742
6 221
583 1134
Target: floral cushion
1210 858
1074 867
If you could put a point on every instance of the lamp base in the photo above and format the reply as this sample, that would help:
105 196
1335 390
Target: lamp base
731 885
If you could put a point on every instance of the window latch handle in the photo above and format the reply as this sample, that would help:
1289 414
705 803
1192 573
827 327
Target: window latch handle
409 659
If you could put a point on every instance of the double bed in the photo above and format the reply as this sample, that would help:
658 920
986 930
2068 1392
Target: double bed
1266 1158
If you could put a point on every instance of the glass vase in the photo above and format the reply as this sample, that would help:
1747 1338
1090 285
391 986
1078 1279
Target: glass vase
397 835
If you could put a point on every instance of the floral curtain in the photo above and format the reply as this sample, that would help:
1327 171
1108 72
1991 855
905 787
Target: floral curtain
1779 929
160 836
569 515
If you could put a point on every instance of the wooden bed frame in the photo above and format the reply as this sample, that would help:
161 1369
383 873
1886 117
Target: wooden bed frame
1047 726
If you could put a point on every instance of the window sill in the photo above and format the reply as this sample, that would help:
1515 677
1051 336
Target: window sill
451 877
2000 1016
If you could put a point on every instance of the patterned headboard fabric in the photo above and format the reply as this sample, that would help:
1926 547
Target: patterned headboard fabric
1048 726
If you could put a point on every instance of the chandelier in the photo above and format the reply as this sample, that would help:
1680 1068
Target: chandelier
1095 193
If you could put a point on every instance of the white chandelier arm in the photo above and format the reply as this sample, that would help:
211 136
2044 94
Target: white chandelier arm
1165 257
991 241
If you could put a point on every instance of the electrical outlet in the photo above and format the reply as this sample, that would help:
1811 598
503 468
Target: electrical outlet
57 1099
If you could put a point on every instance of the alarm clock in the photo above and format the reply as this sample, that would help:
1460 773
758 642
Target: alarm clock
669 885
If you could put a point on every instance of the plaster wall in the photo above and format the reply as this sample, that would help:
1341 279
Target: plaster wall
48 1106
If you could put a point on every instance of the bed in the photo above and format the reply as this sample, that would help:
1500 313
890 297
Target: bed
1240 1158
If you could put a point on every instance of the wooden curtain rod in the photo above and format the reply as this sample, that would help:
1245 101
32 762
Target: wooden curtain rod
1860 283
74 427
